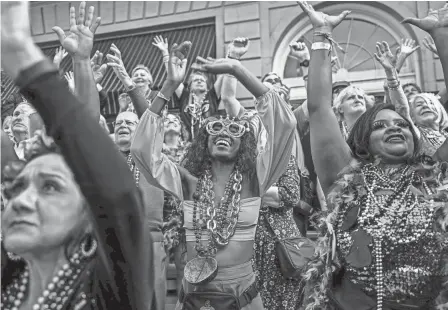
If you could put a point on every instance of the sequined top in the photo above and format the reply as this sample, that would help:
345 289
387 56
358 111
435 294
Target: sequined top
431 140
409 252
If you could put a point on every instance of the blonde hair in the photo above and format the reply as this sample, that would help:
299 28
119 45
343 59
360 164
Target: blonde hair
343 96
434 104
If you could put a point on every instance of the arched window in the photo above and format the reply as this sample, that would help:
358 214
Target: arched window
357 35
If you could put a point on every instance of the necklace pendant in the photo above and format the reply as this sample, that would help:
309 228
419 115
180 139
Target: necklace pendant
201 270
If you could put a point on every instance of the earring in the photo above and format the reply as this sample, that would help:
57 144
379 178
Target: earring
88 247
13 256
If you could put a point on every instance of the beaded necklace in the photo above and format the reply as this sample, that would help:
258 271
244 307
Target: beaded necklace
220 220
393 215
58 291
134 169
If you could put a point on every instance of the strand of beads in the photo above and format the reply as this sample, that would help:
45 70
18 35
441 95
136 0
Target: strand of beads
134 169
58 290
379 271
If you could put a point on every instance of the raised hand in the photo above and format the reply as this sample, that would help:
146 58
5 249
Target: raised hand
78 42
428 42
59 56
299 50
218 66
71 80
238 47
161 44
15 25
436 19
322 22
407 47
98 68
385 56
177 65
116 63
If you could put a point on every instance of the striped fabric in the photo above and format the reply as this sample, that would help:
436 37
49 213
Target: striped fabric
136 49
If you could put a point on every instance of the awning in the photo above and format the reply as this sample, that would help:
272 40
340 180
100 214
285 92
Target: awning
136 48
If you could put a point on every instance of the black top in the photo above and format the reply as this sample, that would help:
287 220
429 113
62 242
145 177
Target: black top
120 276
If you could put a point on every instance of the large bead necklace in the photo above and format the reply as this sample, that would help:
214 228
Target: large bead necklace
393 216
220 222
58 291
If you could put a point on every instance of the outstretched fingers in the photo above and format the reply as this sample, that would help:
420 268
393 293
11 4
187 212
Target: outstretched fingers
89 18
307 8
60 33
95 25
82 13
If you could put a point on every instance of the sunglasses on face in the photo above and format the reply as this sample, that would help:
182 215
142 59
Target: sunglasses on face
234 129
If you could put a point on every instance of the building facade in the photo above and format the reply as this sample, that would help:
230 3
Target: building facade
269 25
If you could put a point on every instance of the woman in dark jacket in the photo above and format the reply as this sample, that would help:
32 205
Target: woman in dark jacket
73 223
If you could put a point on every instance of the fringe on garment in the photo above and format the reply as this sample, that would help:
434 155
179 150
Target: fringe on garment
321 269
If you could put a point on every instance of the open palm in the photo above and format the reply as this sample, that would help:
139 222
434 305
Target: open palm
435 19
78 42
385 56
321 21
178 62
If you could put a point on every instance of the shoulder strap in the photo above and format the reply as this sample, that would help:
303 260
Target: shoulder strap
269 227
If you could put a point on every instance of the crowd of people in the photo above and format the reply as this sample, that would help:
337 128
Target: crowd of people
91 219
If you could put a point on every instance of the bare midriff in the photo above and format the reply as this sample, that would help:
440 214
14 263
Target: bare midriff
233 254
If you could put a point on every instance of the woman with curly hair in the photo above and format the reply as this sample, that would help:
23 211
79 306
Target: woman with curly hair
384 202
276 219
70 212
220 185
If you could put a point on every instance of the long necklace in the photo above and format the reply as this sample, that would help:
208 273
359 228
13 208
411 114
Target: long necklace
58 290
219 221
390 216
134 169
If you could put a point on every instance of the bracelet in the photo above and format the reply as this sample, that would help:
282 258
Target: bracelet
230 57
328 36
305 77
166 58
394 87
321 46
132 87
162 96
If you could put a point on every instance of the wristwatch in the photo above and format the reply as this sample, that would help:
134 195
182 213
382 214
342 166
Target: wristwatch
305 63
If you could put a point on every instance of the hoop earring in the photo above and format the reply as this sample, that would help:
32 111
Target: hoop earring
88 247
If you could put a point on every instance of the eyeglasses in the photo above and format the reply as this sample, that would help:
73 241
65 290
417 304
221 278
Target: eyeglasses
233 128
121 122
124 97
273 81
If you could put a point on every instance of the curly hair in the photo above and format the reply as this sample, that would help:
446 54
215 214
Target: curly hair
197 158
359 137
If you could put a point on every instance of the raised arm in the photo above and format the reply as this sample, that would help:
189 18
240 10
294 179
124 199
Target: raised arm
405 50
436 24
236 49
99 169
274 113
78 42
137 96
146 148
329 150
162 44
395 91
